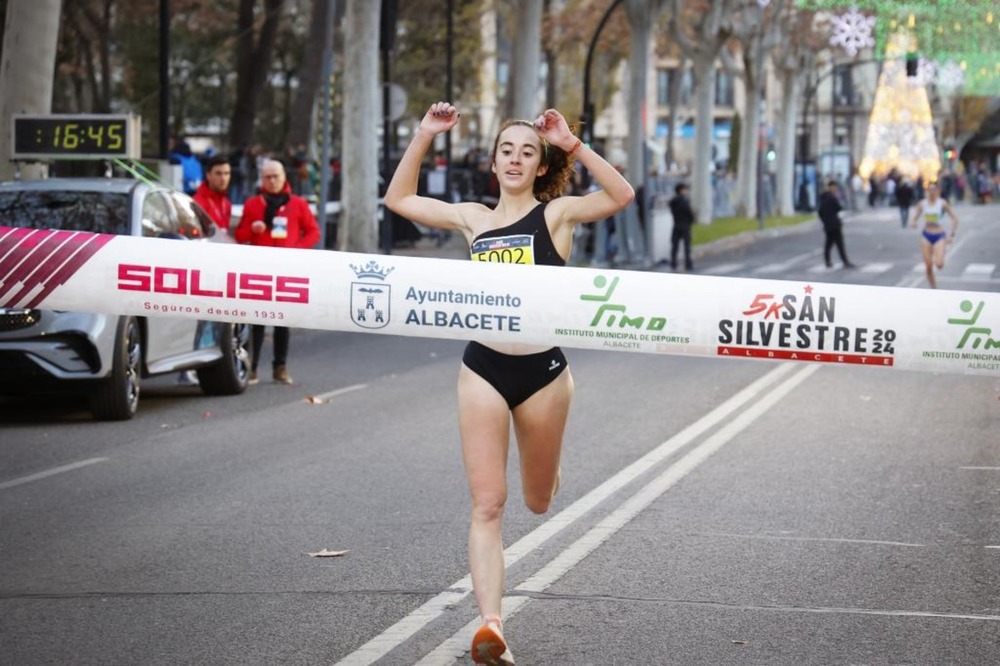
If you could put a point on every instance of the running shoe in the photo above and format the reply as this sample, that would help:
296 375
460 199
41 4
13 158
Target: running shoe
488 645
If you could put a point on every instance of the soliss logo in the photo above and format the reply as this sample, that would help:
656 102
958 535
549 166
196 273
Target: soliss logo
190 282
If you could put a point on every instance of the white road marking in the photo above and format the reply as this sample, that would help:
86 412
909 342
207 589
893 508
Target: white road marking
788 537
456 646
995 469
979 270
875 611
398 633
50 472
783 266
876 267
723 269
341 391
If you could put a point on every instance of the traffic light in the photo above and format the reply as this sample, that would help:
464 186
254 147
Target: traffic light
949 154
912 63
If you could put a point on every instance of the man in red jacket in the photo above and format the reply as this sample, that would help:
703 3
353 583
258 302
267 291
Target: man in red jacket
275 218
213 193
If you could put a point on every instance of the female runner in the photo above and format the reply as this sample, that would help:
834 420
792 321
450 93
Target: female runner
498 383
933 238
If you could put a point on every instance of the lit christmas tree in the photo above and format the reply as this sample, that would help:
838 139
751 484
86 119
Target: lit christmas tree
900 130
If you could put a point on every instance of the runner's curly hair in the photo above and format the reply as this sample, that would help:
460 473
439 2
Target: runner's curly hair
553 182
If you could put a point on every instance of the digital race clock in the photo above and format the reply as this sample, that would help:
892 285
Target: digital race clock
69 136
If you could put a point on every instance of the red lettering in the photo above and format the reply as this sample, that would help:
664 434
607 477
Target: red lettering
292 289
196 289
255 287
759 304
184 281
132 277
179 283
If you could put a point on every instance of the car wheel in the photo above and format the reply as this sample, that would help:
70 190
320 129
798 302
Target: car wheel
117 397
230 374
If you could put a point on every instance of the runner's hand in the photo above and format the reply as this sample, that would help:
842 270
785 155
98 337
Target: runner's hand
441 117
554 129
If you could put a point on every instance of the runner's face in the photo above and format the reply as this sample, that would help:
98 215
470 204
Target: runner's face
219 176
518 158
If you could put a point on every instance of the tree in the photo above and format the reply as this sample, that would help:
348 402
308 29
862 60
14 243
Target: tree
254 52
26 66
759 30
702 39
567 33
300 129
642 15
666 46
356 229
201 61
84 56
793 58
419 61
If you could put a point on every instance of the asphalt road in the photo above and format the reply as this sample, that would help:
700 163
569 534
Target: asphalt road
712 511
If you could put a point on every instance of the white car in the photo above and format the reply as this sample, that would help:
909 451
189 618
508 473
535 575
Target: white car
107 356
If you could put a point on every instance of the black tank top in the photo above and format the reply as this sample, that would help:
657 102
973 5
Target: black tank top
526 241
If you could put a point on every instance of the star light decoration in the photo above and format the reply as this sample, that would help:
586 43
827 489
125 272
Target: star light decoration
853 31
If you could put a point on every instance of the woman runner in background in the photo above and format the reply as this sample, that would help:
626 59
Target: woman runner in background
933 238
502 382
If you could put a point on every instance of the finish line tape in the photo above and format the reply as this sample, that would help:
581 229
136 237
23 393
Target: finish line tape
650 312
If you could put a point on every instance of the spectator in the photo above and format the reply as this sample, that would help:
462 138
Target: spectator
191 171
213 194
276 218
985 186
858 187
873 192
680 208
829 215
904 199
240 172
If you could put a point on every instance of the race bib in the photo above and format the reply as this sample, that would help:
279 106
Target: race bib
517 249
279 228
932 218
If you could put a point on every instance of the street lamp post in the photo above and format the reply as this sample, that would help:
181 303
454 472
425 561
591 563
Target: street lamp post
588 105
164 78
587 134
387 28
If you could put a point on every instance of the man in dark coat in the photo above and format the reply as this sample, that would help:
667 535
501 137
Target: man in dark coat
680 208
904 199
829 215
